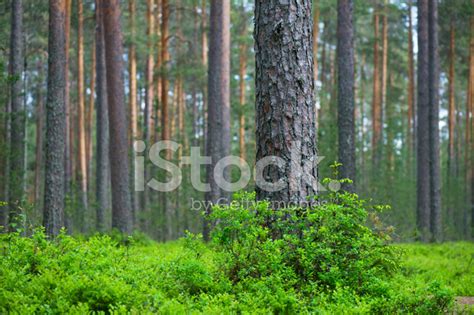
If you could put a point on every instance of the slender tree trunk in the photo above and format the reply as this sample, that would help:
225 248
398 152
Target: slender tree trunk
39 150
376 106
285 116
121 203
53 210
315 56
423 133
411 86
158 66
218 137
90 115
69 154
102 119
150 66
82 165
470 147
384 73
242 88
345 91
204 60
17 138
165 135
451 174
435 168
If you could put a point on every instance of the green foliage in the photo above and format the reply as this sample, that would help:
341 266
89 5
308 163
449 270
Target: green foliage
105 275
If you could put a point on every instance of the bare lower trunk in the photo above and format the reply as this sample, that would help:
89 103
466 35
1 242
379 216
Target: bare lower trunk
284 101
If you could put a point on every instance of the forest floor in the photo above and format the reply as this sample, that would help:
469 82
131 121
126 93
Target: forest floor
183 277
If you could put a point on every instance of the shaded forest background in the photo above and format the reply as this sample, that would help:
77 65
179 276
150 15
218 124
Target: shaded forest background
167 41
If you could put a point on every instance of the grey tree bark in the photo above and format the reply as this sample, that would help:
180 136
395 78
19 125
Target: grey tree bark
102 135
284 99
118 150
53 212
17 136
218 130
345 91
423 131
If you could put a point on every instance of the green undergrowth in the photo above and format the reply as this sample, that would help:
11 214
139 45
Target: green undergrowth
331 258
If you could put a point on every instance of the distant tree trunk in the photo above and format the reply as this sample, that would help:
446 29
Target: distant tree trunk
435 168
150 66
39 150
423 132
470 147
411 85
102 135
121 203
17 138
158 66
218 137
242 86
451 173
345 91
315 54
284 99
133 110
384 56
376 106
89 117
81 112
69 154
53 210
204 60
165 121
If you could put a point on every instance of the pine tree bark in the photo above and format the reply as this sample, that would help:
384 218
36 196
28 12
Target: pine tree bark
18 116
384 73
102 119
345 92
284 99
121 203
423 130
90 115
53 210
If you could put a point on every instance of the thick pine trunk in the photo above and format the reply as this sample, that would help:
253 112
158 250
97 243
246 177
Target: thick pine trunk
68 154
376 106
150 66
242 86
53 210
102 119
121 203
17 137
284 100
89 117
423 130
345 91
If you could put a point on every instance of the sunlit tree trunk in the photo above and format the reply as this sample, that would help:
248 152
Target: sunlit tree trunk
82 165
90 115
53 210
150 66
